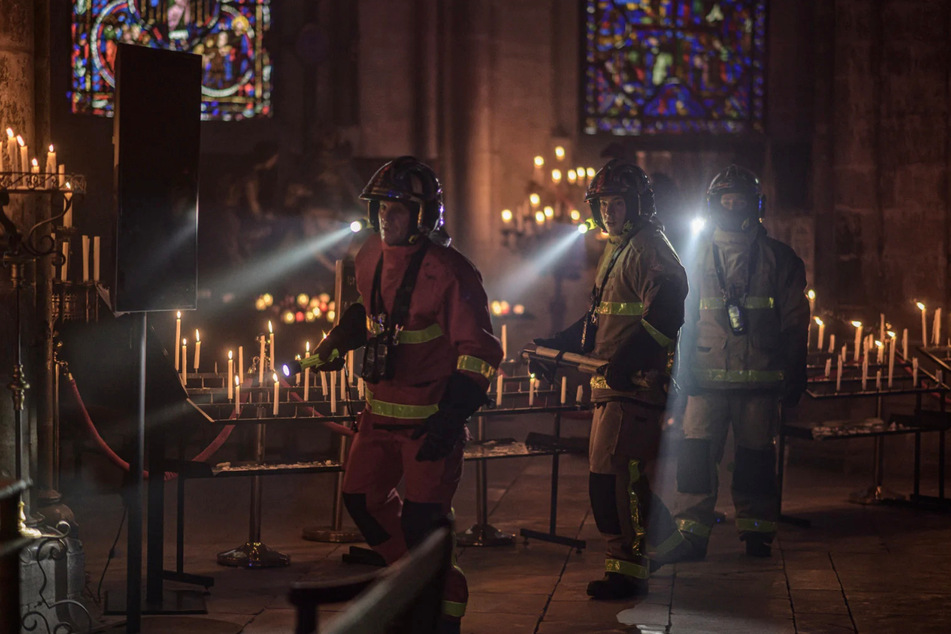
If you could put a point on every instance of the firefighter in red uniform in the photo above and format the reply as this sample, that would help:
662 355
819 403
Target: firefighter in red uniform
636 310
429 357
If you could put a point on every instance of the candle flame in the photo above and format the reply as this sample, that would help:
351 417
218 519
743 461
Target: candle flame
184 342
230 356
197 336
549 212
69 185
323 335
20 141
556 176
878 343
818 321
559 152
270 328
857 324
51 147
534 199
9 133
275 377
307 346
590 172
237 381
539 161
179 315
811 294
920 306
891 333
35 163
506 215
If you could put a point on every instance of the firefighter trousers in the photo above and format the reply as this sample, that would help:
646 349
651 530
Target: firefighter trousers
625 439
378 460
755 418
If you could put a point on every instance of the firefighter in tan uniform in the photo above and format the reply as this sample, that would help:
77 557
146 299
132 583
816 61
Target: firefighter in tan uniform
742 352
636 311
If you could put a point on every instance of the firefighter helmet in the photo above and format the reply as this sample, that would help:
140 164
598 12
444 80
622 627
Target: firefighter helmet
625 179
406 180
736 180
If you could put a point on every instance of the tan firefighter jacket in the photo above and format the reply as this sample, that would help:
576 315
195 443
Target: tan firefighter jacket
772 351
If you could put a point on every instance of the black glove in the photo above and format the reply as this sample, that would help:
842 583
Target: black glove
568 340
446 429
349 334
543 369
618 377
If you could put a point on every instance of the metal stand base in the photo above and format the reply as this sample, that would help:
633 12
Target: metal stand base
484 535
875 495
577 544
253 555
173 602
329 534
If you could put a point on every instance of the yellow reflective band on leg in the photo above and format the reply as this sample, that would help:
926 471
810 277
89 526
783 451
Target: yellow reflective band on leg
745 524
693 528
475 364
454 609
675 539
626 568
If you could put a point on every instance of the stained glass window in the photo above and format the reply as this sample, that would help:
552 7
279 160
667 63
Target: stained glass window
228 34
674 66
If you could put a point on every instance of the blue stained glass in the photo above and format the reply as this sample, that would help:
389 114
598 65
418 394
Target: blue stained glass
674 66
228 34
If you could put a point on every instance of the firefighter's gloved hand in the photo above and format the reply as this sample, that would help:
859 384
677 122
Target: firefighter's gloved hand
543 369
350 333
568 340
332 366
618 377
445 431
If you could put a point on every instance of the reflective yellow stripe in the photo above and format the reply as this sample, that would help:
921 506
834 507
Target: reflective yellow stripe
755 526
666 546
751 303
475 364
693 528
659 337
396 410
598 382
409 336
627 568
739 376
454 608
628 309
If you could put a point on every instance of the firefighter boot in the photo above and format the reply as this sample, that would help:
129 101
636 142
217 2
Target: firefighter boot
690 549
615 585
758 545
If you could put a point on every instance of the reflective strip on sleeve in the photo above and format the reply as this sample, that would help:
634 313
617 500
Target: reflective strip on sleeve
475 364
627 568
628 309
658 336
739 376
751 303
747 525
397 410
454 609
692 527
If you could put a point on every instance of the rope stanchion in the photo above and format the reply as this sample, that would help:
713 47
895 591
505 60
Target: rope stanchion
116 459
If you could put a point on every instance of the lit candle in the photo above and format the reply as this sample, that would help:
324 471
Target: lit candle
832 343
828 369
904 343
51 162
237 396
556 176
323 384
924 324
914 372
504 341
24 163
572 176
184 361
178 335
67 197
531 390
34 166
822 332
880 352
811 294
838 375
261 359
858 339
270 330
560 152
333 392
197 349
498 389
277 393
564 389
85 242
95 258
891 357
344 392
539 164
936 328
240 372
579 394
230 375
11 151
306 373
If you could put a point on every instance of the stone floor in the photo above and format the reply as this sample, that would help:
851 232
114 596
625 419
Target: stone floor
876 569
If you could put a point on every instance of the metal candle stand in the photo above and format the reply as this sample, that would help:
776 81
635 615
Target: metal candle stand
482 533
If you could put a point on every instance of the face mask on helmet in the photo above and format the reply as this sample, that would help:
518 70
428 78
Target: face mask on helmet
734 199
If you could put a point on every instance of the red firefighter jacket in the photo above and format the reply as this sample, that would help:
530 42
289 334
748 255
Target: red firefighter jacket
447 329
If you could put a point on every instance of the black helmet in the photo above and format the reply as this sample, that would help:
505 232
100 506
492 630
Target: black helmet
736 180
406 180
625 179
